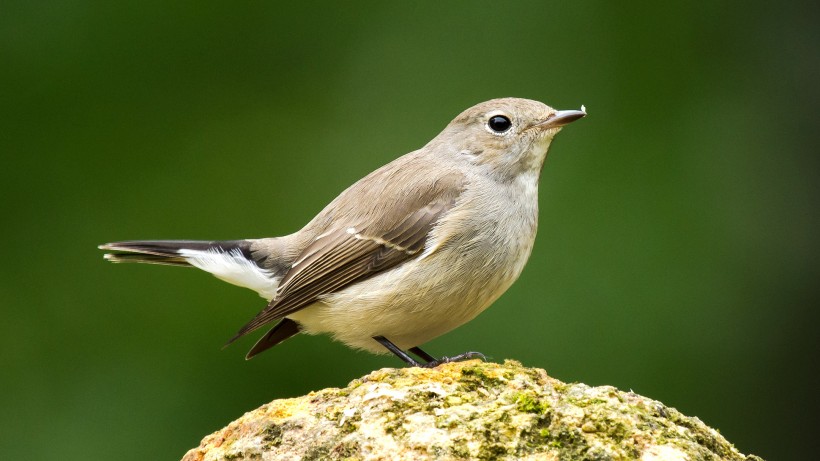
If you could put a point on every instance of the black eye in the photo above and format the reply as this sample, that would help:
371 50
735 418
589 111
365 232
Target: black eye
499 123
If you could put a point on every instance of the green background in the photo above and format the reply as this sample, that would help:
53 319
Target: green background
677 253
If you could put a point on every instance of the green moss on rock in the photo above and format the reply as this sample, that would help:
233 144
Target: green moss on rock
467 410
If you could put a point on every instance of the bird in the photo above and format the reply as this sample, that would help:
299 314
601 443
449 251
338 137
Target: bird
411 251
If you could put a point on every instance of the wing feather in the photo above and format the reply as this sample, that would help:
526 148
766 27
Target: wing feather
346 255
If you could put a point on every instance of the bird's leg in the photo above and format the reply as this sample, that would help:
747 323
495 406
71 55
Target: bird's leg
424 355
429 359
400 353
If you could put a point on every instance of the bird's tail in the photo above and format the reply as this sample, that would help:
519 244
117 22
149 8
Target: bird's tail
229 260
170 252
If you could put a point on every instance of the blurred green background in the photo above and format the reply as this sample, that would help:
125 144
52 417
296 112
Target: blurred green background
677 254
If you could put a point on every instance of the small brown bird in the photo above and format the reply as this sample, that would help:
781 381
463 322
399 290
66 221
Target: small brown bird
409 252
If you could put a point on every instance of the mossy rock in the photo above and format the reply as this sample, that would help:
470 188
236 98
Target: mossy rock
466 410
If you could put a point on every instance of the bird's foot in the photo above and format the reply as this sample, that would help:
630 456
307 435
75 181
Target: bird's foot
456 358
429 360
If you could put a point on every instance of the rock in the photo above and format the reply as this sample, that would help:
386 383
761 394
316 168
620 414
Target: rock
466 410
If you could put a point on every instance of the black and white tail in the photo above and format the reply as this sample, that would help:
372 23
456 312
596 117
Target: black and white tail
170 252
229 260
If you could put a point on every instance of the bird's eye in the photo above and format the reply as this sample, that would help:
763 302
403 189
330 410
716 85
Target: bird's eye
499 123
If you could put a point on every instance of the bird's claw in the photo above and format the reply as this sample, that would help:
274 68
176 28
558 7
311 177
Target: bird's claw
456 358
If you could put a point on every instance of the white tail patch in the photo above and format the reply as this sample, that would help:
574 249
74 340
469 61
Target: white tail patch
232 267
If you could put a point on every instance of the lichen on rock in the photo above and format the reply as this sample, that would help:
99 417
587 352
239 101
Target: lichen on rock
466 410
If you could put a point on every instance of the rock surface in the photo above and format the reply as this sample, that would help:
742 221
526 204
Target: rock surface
466 410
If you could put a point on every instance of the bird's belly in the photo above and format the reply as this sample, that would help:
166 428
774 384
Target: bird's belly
409 305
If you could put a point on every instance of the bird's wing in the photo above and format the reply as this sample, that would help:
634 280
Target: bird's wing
345 255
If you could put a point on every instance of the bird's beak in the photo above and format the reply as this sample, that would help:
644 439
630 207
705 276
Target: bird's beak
561 118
